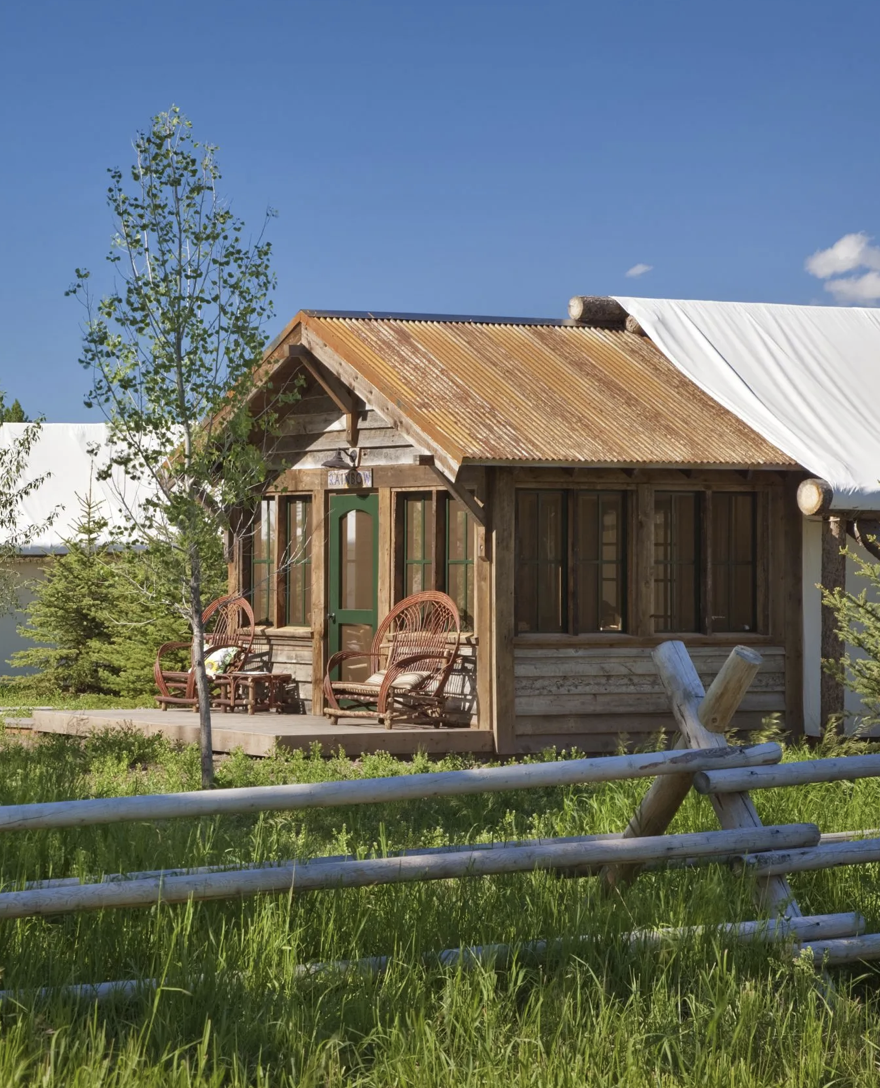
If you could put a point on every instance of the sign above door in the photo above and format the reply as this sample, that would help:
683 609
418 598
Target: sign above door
354 477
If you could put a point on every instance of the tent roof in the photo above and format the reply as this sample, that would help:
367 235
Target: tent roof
807 378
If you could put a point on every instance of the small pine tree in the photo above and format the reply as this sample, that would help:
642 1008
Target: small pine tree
858 625
12 413
70 609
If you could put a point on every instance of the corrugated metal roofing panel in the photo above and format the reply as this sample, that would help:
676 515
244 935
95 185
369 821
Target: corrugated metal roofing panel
541 393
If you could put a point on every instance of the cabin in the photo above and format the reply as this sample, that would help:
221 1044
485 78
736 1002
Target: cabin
578 495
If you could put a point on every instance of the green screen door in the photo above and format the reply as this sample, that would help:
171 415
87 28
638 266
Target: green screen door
352 577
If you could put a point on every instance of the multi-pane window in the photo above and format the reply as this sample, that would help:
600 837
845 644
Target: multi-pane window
435 522
541 561
297 562
600 560
290 569
460 560
262 563
418 550
570 561
676 561
734 561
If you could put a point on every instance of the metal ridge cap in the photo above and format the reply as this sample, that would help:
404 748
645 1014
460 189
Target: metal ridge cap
473 319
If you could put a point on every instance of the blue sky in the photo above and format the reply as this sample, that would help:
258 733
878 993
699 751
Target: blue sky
484 158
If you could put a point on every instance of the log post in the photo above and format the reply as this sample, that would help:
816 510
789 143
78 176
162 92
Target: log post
716 711
833 577
686 695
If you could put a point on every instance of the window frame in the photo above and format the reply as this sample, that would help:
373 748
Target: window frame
276 577
638 509
571 563
438 557
288 503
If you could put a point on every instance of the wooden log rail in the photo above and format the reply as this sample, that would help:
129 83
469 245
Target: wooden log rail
166 806
703 758
308 876
836 769
822 856
813 928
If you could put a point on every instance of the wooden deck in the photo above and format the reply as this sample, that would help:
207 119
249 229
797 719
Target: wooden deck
256 735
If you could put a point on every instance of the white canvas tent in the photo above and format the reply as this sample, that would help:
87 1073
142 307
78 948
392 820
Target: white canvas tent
807 378
64 454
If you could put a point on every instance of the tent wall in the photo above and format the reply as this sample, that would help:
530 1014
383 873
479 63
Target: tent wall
10 639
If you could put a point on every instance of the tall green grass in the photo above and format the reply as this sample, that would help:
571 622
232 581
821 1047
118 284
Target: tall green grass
232 1009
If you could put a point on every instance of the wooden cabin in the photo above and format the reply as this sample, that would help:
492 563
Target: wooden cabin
577 496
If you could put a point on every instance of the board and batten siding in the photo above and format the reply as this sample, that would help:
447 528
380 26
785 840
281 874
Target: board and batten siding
595 698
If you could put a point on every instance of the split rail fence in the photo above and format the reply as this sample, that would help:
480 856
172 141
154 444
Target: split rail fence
703 759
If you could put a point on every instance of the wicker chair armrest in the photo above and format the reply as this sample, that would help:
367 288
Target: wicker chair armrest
166 647
345 655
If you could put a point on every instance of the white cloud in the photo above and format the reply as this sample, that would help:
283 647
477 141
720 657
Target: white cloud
639 270
848 253
855 290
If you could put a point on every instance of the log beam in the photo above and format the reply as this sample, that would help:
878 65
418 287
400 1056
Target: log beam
814 497
599 311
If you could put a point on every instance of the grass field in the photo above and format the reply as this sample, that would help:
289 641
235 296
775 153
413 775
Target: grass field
233 1011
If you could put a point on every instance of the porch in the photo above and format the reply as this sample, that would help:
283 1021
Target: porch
258 734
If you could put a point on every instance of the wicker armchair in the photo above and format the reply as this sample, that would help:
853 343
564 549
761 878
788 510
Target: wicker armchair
229 621
411 658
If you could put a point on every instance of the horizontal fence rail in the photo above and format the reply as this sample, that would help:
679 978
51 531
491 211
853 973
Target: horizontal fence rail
166 806
823 856
305 877
836 769
773 930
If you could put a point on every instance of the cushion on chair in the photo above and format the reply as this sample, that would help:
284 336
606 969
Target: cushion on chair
406 681
219 661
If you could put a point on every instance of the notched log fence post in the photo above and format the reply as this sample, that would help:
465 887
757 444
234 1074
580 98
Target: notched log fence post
702 718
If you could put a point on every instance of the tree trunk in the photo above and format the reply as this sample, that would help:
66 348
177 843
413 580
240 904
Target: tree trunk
198 656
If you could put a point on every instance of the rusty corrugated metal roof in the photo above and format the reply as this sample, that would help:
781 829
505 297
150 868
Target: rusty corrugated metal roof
490 391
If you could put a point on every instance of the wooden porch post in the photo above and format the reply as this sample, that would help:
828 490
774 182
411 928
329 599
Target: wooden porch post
833 577
503 529
319 601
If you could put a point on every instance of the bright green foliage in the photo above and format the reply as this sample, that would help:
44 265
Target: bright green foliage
858 623
140 619
173 353
235 1011
12 413
70 610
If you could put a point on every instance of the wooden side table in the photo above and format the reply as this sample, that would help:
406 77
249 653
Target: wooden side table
255 691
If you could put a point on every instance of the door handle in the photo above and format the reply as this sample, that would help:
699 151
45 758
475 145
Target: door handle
331 616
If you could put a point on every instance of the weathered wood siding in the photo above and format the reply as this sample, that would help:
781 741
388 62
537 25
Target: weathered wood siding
596 698
315 427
